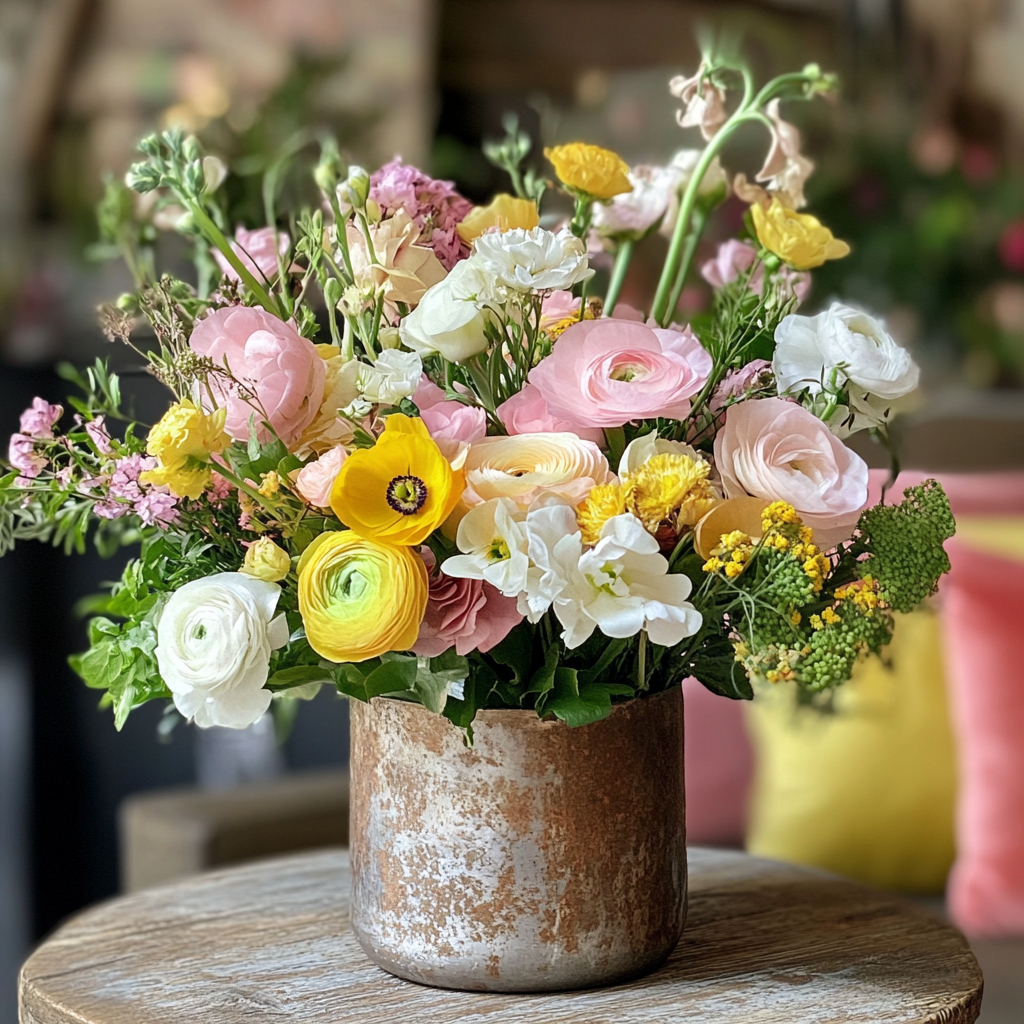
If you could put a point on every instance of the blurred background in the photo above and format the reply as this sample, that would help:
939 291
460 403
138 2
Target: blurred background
919 169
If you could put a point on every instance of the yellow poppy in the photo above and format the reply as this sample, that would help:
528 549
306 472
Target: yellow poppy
798 238
401 489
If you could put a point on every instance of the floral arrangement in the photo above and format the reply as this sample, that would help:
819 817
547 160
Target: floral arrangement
490 487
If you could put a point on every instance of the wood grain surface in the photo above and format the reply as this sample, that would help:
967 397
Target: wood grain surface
269 943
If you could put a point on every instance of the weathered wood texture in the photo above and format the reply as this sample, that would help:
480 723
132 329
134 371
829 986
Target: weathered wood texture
269 942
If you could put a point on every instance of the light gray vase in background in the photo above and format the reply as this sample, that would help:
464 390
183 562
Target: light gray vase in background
541 858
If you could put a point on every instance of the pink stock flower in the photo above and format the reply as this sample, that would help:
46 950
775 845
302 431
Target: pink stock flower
267 357
38 419
527 412
315 480
704 104
451 424
157 509
737 383
470 614
21 454
434 205
97 431
777 450
257 252
734 258
605 373
219 489
124 481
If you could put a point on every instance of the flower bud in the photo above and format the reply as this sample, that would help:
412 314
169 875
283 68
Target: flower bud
195 179
142 177
214 172
332 292
389 337
264 560
192 150
355 189
150 145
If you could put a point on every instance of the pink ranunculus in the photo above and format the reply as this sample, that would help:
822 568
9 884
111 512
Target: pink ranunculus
21 454
257 252
38 419
470 615
777 450
451 424
267 357
604 373
315 479
527 412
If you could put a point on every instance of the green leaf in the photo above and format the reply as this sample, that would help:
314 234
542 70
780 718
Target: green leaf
542 681
580 705
395 675
516 652
299 675
478 688
717 668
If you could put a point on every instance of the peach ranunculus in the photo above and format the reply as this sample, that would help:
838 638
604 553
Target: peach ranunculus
257 251
773 449
604 373
315 480
404 269
527 466
527 412
453 425
341 389
268 358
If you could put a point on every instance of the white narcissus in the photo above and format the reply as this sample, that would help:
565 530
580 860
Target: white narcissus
534 260
452 316
843 348
214 640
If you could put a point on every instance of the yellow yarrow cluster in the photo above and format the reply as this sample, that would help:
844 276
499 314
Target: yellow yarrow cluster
732 554
590 169
798 238
183 442
773 663
667 490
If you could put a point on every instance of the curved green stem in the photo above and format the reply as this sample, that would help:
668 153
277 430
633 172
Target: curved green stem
622 260
697 224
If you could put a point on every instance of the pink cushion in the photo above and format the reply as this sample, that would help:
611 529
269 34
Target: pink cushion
719 767
991 494
984 616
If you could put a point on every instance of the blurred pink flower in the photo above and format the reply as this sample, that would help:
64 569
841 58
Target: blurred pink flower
124 481
605 373
1011 248
452 425
737 383
470 615
315 479
21 454
704 105
734 258
527 412
785 169
773 449
266 356
556 307
38 419
257 252
434 205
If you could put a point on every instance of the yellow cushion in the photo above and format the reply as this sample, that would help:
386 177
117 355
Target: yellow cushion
995 535
868 792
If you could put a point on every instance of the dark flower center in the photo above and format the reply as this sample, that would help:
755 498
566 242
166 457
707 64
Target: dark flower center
406 494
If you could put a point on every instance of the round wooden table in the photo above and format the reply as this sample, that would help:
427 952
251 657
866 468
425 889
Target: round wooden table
268 943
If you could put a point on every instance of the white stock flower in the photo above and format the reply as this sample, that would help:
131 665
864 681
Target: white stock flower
214 640
493 547
533 260
395 375
620 586
633 214
451 317
843 348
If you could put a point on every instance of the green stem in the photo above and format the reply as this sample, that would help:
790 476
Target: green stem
216 237
622 260
243 486
641 667
697 224
364 224
341 234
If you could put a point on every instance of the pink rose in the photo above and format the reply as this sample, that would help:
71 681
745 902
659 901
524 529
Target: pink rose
38 419
315 479
267 357
257 252
470 614
527 412
604 373
777 450
451 424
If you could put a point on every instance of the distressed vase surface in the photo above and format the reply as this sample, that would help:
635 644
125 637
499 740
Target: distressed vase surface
541 858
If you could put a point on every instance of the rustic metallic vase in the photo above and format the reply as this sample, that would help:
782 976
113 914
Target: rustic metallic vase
541 858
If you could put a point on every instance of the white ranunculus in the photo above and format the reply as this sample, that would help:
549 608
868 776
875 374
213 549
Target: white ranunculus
214 640
452 315
633 214
620 586
395 375
532 260
843 348
493 547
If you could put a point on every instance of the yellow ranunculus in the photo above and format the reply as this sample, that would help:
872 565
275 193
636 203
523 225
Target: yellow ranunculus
584 168
401 489
264 560
360 598
798 238
505 212
183 442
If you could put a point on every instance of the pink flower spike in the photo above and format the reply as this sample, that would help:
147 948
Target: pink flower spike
156 509
39 418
